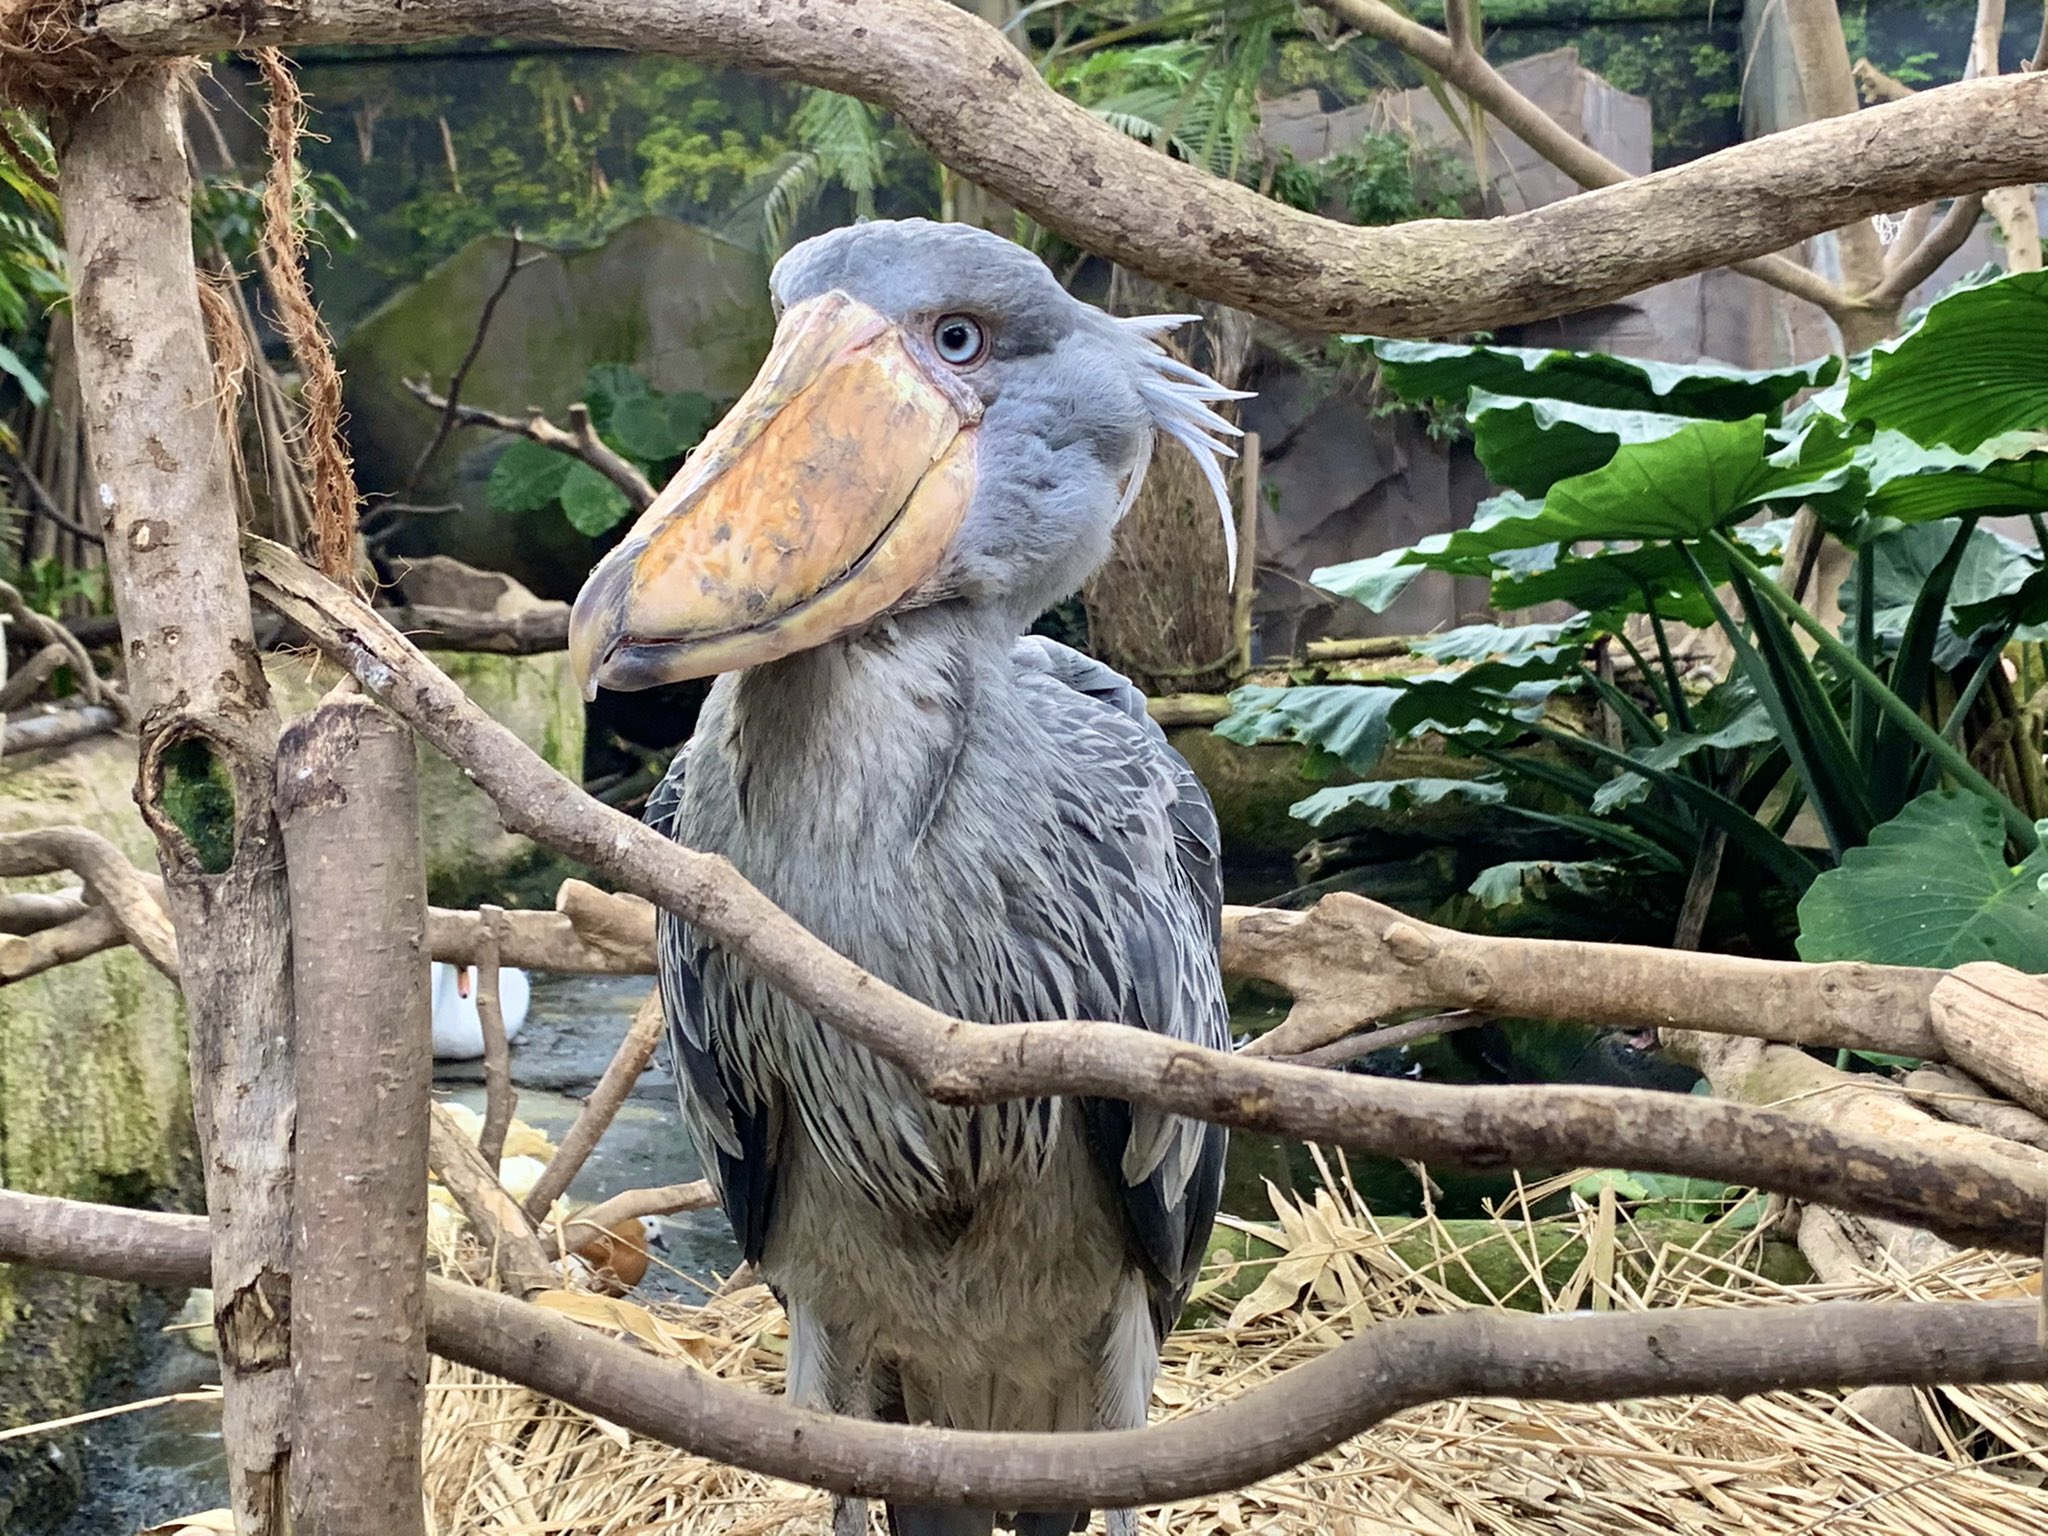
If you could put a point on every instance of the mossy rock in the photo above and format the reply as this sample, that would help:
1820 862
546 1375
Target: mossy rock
686 307
471 858
93 1106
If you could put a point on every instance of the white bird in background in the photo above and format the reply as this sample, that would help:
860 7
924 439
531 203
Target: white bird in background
458 1031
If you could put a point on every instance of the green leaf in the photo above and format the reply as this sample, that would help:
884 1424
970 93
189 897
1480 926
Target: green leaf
1530 445
1349 721
1394 795
1931 888
657 428
1477 642
1892 477
1969 371
526 477
19 371
606 386
1510 884
1418 371
1991 574
592 503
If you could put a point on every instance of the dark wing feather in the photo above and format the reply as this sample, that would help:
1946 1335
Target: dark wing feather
735 1130
1170 979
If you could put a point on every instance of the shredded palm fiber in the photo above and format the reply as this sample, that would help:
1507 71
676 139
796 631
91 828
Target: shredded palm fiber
320 446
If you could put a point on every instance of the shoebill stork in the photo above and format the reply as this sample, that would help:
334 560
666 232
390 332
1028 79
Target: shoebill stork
936 450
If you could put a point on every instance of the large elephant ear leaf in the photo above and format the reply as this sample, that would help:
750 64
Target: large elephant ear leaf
1427 370
1970 371
1931 888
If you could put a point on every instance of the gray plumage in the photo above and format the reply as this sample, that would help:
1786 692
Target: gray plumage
994 825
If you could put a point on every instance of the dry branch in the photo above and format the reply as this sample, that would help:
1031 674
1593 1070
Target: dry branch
22 956
1992 1020
1348 961
579 441
602 1107
61 728
1991 1203
632 1205
348 802
543 627
499 1095
1393 1366
128 895
500 1225
33 911
1956 1096
208 734
982 108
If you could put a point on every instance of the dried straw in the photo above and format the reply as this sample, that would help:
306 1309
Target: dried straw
501 1458
320 446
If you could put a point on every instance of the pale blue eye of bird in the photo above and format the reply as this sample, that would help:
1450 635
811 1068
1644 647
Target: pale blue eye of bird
959 339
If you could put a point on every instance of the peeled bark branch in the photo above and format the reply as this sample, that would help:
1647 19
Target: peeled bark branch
41 733
1393 1366
958 1062
207 731
1348 961
348 801
980 107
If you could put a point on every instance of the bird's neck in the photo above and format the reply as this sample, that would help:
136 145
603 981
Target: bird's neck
867 732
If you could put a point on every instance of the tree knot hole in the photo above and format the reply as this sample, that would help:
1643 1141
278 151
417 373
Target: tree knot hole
197 794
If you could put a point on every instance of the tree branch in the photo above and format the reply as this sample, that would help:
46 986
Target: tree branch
1468 70
980 107
1942 242
957 1062
348 802
61 728
449 408
580 442
493 1215
124 890
208 735
1393 1366
602 1107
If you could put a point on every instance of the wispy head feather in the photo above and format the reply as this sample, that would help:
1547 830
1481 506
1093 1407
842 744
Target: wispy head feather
1179 398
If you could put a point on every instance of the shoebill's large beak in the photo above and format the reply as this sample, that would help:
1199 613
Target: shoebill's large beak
825 495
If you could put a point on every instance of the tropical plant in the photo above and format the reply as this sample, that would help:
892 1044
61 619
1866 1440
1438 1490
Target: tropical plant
1648 495
649 428
32 271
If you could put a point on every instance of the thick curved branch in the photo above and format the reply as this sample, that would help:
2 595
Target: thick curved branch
123 889
1465 68
979 106
1978 1201
1393 1366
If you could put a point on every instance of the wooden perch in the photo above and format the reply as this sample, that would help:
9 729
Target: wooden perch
1348 962
1993 1203
207 733
1391 1366
1993 1020
348 802
972 99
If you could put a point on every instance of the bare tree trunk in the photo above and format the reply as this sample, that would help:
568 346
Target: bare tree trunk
159 469
348 799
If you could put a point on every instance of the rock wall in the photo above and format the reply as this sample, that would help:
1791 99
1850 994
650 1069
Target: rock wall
93 1105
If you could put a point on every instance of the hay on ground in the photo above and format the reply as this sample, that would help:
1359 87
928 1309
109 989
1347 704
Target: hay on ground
502 1459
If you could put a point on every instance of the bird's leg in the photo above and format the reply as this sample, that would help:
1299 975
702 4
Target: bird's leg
823 1374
